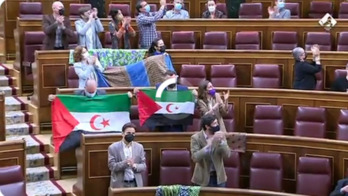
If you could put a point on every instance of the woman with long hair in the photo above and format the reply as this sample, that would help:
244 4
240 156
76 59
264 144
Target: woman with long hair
120 30
157 47
211 102
85 65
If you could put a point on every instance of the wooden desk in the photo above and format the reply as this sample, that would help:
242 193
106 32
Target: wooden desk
51 70
150 191
244 101
195 7
2 117
13 153
94 176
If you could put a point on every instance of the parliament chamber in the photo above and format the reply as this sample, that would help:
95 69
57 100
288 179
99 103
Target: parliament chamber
291 137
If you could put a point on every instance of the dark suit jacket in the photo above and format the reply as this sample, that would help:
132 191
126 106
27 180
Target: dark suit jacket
82 92
340 184
305 75
49 28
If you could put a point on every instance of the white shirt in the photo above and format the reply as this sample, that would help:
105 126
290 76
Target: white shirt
128 172
89 36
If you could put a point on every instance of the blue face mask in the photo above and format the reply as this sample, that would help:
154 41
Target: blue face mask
281 5
178 6
147 8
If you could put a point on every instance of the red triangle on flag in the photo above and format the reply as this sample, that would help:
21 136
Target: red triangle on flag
63 123
146 106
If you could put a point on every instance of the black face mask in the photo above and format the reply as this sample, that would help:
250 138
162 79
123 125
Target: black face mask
162 49
129 137
61 12
171 86
215 129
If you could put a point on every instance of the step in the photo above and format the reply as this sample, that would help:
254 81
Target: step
16 117
33 144
39 159
45 188
34 174
4 70
8 90
6 80
14 104
20 129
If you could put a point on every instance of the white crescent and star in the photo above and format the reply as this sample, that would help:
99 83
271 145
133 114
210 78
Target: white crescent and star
92 123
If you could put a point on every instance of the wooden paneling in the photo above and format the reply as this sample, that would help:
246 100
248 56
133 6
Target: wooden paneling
2 117
47 78
200 26
13 153
291 148
2 34
204 191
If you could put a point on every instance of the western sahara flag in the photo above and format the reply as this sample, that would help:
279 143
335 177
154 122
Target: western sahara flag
73 115
173 108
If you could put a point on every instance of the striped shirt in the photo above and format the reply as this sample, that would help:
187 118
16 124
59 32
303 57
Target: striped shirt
58 43
147 27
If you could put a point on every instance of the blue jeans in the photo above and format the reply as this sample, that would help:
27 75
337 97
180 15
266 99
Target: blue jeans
213 182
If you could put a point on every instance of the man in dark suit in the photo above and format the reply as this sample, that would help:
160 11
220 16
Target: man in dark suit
233 8
341 188
57 29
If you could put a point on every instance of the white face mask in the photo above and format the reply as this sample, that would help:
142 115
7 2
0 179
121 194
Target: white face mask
211 8
90 95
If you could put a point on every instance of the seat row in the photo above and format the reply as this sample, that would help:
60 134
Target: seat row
244 40
268 119
247 10
263 166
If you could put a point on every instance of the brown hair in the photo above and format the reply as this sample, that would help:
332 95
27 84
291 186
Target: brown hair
78 53
202 90
82 10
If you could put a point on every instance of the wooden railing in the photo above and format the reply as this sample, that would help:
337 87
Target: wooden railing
94 175
51 71
2 117
204 191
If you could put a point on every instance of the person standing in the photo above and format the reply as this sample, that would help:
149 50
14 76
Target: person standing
233 8
57 29
305 71
146 22
88 27
208 149
211 102
120 30
126 160
279 11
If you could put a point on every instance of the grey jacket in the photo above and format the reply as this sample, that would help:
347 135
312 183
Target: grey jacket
117 163
82 27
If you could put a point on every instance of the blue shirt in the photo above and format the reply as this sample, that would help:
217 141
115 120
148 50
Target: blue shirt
171 14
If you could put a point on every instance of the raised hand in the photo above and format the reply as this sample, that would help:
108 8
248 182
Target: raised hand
163 2
95 11
218 98
271 10
315 50
226 95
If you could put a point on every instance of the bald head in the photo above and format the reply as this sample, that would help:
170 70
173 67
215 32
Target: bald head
56 6
91 86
